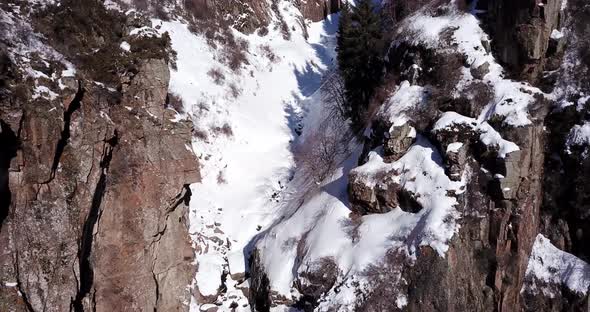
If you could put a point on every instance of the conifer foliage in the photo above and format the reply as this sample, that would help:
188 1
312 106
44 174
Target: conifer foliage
360 46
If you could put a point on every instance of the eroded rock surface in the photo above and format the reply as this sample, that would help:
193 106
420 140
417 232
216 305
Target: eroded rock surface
94 182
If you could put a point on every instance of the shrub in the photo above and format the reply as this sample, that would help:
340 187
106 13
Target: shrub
234 51
174 101
217 75
267 52
234 91
225 130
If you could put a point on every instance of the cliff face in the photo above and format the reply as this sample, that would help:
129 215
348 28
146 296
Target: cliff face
467 191
95 176
317 10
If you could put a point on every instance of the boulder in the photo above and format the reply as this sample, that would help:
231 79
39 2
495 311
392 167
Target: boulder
397 141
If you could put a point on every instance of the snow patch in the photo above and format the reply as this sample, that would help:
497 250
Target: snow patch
551 265
579 135
556 34
454 147
125 46
488 135
511 98
405 98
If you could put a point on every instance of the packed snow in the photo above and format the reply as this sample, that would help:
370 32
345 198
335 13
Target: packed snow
421 172
125 46
549 265
252 192
556 34
454 147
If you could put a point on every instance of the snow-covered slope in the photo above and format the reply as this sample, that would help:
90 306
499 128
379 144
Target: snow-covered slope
245 124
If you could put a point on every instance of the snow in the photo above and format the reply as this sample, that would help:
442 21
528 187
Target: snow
44 92
454 147
240 173
125 46
209 271
511 98
487 134
22 49
556 34
550 265
579 135
322 225
143 31
236 262
401 302
10 284
420 172
405 98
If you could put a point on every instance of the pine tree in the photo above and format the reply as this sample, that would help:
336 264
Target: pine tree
344 33
360 46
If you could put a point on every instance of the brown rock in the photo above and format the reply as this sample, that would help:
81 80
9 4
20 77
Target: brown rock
317 10
97 215
480 71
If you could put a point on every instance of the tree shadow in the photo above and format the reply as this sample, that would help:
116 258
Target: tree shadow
309 80
310 77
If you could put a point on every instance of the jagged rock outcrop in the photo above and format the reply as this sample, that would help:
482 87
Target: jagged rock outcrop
317 10
97 177
522 34
501 206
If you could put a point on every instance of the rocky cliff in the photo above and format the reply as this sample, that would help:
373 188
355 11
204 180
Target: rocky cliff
466 190
471 178
95 169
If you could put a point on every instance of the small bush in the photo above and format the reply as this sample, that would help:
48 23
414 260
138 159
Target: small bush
225 130
200 134
221 178
234 51
217 76
234 91
262 31
267 52
174 101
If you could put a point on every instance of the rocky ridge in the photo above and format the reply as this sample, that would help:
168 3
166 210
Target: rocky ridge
486 108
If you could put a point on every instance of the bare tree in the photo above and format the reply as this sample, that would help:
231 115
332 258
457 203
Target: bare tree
334 95
326 146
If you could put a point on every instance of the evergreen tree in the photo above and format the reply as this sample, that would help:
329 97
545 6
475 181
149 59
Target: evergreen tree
360 46
344 36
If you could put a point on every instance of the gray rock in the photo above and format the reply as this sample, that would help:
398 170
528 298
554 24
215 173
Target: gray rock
480 71
397 142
